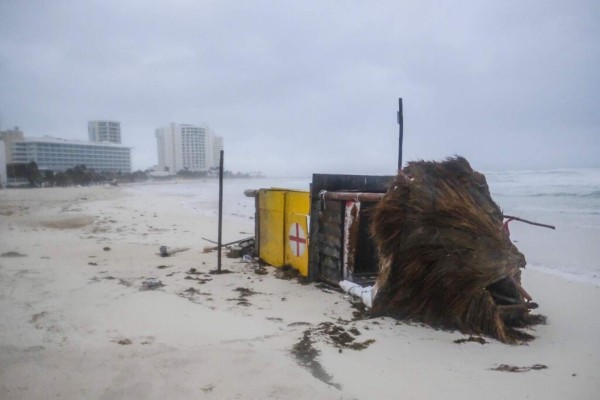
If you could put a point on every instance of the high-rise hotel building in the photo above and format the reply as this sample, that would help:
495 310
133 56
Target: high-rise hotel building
55 154
187 147
104 131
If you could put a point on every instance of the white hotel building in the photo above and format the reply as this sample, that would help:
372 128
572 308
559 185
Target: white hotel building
56 154
59 154
104 131
187 147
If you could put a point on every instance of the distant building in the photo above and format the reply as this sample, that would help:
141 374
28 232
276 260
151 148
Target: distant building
187 147
217 148
56 154
3 176
8 137
104 131
60 154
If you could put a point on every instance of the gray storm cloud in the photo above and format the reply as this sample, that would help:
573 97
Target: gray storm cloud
302 87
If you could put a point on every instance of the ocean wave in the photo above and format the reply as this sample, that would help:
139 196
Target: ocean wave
593 195
521 172
569 172
589 277
555 194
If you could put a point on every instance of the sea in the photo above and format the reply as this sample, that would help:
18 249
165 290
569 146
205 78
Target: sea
568 199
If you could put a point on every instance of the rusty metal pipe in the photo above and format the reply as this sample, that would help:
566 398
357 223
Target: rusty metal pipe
355 196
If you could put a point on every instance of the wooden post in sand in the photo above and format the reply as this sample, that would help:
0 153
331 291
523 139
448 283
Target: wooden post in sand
220 213
401 133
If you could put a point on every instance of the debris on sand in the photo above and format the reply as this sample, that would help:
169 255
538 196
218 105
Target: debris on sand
360 311
306 355
512 368
260 270
192 295
12 254
36 317
244 293
287 272
199 280
164 251
445 258
221 272
208 388
341 337
364 294
123 342
354 331
476 339
328 288
151 284
336 335
299 323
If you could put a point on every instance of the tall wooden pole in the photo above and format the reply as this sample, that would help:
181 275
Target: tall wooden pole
401 123
220 213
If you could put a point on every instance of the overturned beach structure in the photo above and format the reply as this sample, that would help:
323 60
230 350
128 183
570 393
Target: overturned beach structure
323 233
446 258
431 239
341 247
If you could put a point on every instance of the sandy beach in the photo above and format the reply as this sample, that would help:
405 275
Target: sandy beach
76 322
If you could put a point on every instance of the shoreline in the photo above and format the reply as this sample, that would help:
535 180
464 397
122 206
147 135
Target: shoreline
579 278
76 324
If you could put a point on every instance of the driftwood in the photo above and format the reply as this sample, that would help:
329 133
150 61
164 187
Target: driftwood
226 244
165 251
510 217
445 259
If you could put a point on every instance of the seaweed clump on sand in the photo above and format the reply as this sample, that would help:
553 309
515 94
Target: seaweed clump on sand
445 258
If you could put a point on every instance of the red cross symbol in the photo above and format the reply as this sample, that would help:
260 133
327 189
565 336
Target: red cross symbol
297 239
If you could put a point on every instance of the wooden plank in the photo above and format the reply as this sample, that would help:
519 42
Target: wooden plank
330 251
326 220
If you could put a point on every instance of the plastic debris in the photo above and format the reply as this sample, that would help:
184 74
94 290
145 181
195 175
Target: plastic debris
163 251
363 293
151 284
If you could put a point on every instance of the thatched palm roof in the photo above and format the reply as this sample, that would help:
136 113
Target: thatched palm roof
445 259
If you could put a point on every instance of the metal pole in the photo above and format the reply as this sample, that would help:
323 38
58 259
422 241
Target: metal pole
356 196
401 123
220 212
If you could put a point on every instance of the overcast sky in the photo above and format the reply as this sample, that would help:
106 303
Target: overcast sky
297 87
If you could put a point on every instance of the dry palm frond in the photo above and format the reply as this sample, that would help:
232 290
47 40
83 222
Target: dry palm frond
445 259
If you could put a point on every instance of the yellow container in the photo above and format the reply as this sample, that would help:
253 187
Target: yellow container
271 204
283 217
